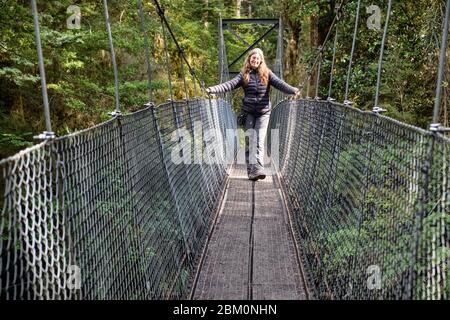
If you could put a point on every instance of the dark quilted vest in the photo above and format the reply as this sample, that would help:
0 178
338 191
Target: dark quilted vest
256 95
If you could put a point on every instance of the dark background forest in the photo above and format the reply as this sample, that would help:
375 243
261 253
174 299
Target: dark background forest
79 70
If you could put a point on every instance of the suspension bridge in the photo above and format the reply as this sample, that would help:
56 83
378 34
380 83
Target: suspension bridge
355 206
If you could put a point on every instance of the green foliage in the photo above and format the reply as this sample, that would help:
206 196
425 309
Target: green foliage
410 61
13 142
79 67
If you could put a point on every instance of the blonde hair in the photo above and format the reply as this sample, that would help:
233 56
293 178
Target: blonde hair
262 69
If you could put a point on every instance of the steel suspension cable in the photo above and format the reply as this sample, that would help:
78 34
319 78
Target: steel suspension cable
376 108
307 85
49 133
279 59
424 195
195 83
184 79
166 52
221 63
333 24
355 34
147 50
318 73
280 48
223 76
164 21
113 58
333 62
438 98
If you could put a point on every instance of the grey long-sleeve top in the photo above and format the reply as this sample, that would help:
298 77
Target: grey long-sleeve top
256 95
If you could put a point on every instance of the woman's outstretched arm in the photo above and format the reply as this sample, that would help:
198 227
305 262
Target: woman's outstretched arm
226 86
281 85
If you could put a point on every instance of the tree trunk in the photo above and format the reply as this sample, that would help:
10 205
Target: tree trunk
320 23
238 8
291 54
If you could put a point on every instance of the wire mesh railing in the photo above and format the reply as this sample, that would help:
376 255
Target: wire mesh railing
370 201
108 212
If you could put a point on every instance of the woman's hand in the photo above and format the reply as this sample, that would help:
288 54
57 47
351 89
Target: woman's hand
298 94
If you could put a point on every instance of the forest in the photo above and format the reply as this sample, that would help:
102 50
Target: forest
79 71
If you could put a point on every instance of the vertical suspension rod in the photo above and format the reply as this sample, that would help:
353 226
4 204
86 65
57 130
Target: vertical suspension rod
113 57
166 52
355 34
438 99
380 62
147 50
164 21
318 72
37 33
333 61
316 60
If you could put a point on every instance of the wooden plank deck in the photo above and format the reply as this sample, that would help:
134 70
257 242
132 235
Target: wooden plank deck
251 253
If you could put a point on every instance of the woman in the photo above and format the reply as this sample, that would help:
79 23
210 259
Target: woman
255 78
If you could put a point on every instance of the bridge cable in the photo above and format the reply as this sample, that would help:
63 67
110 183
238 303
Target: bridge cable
424 196
306 81
113 59
279 55
349 71
166 52
376 108
368 153
161 13
318 73
49 133
279 59
186 94
224 74
186 241
147 50
174 107
439 84
195 83
333 61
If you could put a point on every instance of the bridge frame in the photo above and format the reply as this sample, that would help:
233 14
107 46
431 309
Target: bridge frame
225 24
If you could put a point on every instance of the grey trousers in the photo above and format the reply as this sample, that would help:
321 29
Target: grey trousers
255 137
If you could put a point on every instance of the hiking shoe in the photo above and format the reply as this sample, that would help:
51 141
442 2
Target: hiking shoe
256 176
260 175
252 176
